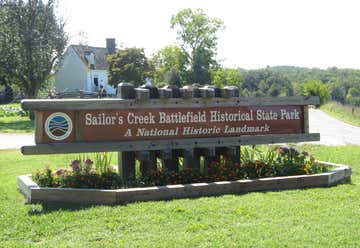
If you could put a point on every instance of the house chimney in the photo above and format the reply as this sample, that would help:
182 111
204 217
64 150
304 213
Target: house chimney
110 45
92 61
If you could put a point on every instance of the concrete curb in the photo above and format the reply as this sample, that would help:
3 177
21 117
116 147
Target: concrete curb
36 194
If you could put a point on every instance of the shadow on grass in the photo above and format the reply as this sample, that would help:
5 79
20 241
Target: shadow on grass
53 207
345 181
17 126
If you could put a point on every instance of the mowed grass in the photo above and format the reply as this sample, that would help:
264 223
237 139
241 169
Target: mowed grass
14 105
347 113
318 217
15 124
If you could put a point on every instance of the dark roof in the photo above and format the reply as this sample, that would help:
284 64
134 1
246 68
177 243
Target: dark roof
100 54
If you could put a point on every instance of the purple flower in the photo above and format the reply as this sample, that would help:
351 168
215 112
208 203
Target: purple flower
75 165
88 162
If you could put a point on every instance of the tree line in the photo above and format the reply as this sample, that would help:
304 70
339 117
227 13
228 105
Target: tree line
341 85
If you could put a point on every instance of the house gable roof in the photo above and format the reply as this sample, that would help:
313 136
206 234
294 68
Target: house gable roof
100 55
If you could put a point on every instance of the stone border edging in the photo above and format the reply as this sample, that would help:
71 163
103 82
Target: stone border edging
36 194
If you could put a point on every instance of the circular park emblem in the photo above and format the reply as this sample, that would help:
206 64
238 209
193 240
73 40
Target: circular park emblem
58 126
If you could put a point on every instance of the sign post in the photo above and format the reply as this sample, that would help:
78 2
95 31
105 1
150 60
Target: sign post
190 125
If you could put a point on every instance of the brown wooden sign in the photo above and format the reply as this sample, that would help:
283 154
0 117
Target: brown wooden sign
146 124
170 123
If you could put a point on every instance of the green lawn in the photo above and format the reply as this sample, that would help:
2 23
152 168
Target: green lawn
14 105
319 217
347 113
15 124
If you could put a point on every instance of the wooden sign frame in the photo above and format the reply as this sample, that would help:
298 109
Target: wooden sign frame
43 107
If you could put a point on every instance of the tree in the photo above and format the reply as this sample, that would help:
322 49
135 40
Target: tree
226 76
278 85
316 88
252 79
5 84
198 35
266 82
32 39
129 65
296 88
353 96
337 94
173 77
170 63
274 90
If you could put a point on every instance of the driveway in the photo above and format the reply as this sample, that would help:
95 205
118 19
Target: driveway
332 132
15 140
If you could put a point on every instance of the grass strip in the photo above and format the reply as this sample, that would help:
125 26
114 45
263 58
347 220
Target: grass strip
347 113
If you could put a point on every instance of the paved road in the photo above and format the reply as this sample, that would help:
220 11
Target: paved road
14 140
332 132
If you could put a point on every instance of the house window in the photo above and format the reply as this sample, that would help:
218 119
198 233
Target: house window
96 81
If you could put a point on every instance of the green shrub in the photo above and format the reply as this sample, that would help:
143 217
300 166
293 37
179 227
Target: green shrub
164 177
108 180
44 178
8 111
316 88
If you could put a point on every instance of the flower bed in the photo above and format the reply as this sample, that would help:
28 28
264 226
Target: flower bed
255 163
36 194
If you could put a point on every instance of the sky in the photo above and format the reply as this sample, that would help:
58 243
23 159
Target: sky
258 33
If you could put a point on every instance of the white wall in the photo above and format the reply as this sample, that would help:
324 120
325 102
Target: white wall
72 74
102 79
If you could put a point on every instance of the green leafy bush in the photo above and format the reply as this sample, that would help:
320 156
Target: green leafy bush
8 111
163 177
44 178
316 88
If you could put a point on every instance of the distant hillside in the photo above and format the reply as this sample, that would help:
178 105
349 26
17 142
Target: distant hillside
343 84
302 74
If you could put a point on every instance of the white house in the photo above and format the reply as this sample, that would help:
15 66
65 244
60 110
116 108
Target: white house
85 68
